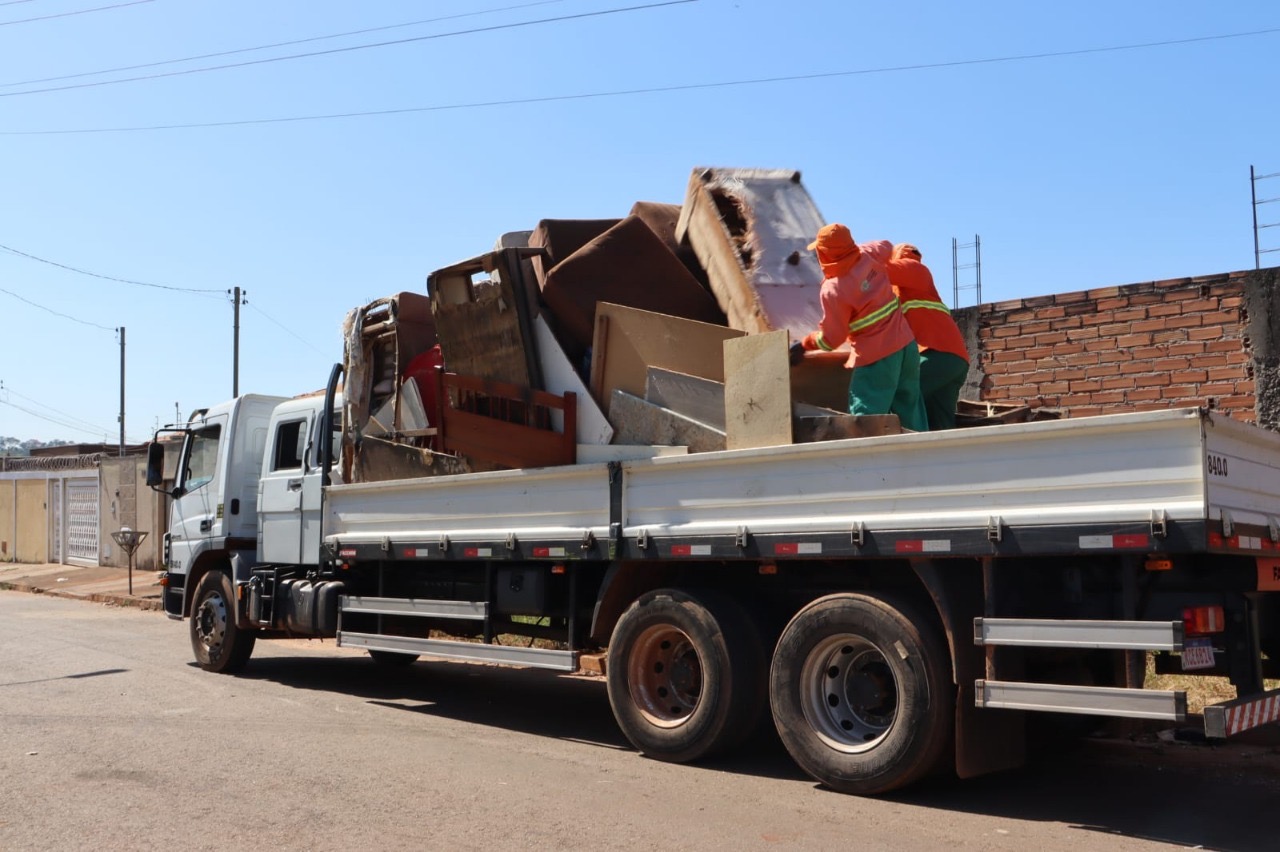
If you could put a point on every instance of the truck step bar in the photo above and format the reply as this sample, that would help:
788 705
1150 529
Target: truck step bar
451 649
1062 633
476 652
1086 700
1081 634
465 610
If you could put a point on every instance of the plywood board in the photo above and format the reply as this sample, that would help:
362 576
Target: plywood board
629 341
559 377
750 229
822 379
694 397
757 391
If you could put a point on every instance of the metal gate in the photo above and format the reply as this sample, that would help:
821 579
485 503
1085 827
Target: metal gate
82 520
55 508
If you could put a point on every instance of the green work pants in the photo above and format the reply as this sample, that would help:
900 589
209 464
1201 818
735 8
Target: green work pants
942 374
890 386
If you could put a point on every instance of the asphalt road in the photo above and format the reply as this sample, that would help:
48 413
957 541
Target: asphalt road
111 739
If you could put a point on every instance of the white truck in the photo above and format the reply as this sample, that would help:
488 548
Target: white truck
895 605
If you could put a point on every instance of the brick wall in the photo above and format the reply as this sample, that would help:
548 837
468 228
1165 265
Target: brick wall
1211 341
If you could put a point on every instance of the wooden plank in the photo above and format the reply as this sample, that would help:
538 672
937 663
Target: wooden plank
628 342
757 391
640 422
559 377
694 397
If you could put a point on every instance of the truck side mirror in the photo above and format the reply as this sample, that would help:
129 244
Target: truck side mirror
155 464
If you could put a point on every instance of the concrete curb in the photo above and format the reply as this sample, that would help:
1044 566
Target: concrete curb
94 597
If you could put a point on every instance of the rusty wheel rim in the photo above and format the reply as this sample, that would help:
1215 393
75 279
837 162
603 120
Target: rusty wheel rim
664 675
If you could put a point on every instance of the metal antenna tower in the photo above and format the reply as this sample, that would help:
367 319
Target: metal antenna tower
1253 190
957 266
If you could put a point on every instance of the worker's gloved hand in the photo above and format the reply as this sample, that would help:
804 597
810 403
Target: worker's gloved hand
796 352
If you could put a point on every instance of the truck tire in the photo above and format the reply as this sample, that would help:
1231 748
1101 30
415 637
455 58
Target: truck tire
686 674
862 693
393 659
219 645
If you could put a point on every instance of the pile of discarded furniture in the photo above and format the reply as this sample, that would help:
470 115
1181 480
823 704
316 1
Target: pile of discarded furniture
581 341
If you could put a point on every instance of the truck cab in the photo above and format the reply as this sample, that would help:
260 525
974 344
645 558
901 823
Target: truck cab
214 517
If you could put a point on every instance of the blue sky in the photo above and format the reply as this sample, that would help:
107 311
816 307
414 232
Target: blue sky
1077 171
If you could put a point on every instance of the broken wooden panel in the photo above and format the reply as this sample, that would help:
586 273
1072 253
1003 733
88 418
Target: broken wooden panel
380 460
757 391
559 377
626 265
693 396
484 314
629 341
835 427
978 413
750 229
640 422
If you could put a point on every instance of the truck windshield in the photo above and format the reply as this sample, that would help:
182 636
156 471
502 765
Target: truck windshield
202 456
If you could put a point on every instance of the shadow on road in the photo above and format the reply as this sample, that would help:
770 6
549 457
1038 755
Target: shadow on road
98 673
1183 795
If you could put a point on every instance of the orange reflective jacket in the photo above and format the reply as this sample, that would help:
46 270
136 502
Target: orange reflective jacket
929 318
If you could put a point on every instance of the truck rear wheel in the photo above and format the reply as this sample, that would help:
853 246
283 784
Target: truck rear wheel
686 674
862 694
219 645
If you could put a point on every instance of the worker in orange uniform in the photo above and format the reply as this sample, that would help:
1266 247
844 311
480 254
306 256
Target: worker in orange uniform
858 305
944 360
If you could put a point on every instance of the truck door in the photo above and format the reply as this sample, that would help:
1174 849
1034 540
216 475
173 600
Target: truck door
280 501
312 491
197 514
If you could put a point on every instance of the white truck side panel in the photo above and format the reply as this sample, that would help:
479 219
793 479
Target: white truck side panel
543 503
1242 467
1098 469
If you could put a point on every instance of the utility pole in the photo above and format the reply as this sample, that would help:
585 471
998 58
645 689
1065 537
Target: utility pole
121 330
236 301
177 414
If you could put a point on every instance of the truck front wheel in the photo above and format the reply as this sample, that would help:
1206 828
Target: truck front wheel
861 693
219 645
686 674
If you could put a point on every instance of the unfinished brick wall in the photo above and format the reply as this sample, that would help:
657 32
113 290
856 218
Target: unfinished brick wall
1210 341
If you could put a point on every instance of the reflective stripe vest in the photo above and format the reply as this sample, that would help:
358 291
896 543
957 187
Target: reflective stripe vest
861 307
929 318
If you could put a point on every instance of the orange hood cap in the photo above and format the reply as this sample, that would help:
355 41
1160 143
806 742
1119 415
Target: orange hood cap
834 243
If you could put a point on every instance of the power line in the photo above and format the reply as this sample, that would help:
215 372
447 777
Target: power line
13 2
303 340
272 46
57 422
72 417
55 313
71 14
650 90
105 277
348 49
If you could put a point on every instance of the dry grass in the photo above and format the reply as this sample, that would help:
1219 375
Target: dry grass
1201 690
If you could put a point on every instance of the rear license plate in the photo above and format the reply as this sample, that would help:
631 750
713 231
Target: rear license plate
1197 654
